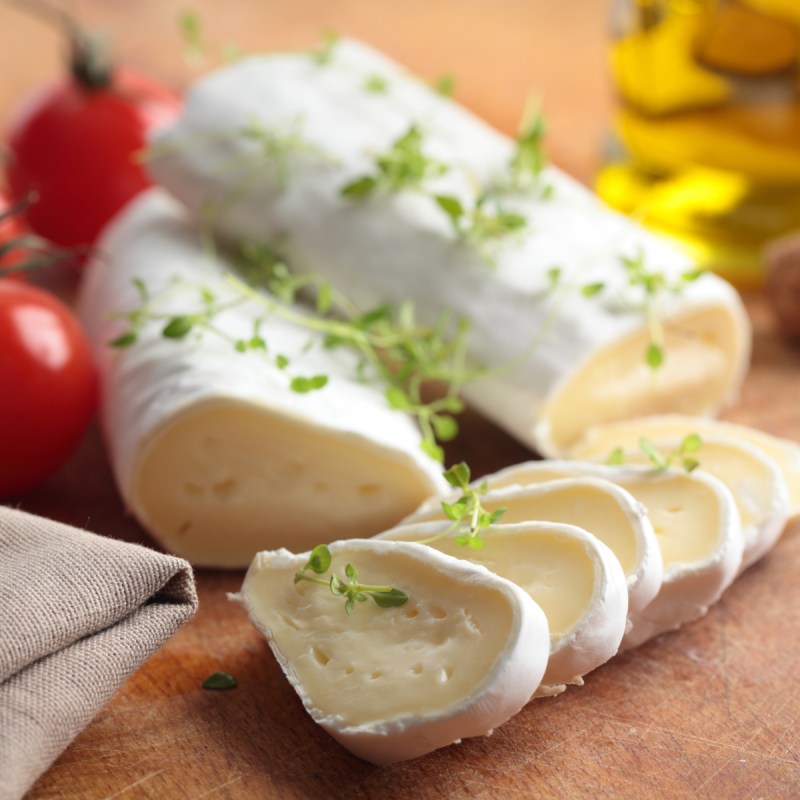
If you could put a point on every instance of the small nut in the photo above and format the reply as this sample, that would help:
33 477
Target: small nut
782 266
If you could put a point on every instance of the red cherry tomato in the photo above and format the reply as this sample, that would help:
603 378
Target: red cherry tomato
48 385
77 147
11 229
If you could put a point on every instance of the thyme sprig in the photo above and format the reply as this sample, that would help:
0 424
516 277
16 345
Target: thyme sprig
683 453
391 346
403 166
468 517
350 588
529 160
653 285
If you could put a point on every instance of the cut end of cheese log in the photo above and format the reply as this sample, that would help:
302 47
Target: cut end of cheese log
704 360
572 576
697 528
462 655
211 449
226 478
604 509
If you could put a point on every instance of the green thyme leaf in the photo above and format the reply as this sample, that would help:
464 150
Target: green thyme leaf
390 599
220 681
649 448
616 457
654 355
376 84
445 85
592 289
178 327
303 385
125 340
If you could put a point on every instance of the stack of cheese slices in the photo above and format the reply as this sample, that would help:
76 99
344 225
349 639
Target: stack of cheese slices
221 461
611 555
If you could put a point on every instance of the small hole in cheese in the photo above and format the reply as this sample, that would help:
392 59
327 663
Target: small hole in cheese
416 669
349 669
437 612
320 656
193 489
412 612
368 488
675 510
376 674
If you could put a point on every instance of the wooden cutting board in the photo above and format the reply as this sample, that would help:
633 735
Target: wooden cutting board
710 711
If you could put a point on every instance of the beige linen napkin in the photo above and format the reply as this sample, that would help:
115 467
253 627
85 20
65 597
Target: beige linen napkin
78 614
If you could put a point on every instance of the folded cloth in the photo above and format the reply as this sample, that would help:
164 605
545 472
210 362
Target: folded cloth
78 614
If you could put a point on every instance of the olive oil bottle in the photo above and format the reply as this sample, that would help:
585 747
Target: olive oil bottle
707 133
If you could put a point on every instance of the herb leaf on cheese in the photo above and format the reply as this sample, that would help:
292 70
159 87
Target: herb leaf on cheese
684 453
349 587
469 519
402 166
529 160
653 285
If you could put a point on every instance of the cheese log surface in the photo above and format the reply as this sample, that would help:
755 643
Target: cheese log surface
574 578
211 450
577 360
604 509
462 655
603 439
697 527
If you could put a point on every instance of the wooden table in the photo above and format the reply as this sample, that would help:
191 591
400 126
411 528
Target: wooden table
710 711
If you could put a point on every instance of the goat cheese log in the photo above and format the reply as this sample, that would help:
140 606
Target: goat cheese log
211 450
265 148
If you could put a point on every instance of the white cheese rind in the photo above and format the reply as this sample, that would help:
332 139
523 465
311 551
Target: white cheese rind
784 452
603 508
595 634
690 585
395 247
161 399
497 695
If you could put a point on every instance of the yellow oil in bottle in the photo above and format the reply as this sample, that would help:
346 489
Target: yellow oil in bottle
707 133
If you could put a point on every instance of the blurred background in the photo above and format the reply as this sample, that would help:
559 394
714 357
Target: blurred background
499 51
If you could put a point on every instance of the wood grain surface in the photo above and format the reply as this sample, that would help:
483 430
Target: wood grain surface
710 711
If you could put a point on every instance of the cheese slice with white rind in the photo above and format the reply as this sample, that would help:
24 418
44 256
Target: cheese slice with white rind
756 482
577 360
211 450
462 655
697 527
573 577
602 439
603 508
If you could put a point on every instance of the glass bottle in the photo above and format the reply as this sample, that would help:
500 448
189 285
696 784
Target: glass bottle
707 132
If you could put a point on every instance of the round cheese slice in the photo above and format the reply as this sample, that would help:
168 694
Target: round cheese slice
212 451
697 527
573 577
462 655
559 360
602 439
756 482
604 509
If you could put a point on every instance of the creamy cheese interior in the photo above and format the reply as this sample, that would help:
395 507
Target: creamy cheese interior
376 665
584 505
553 568
684 513
703 350
747 474
227 479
